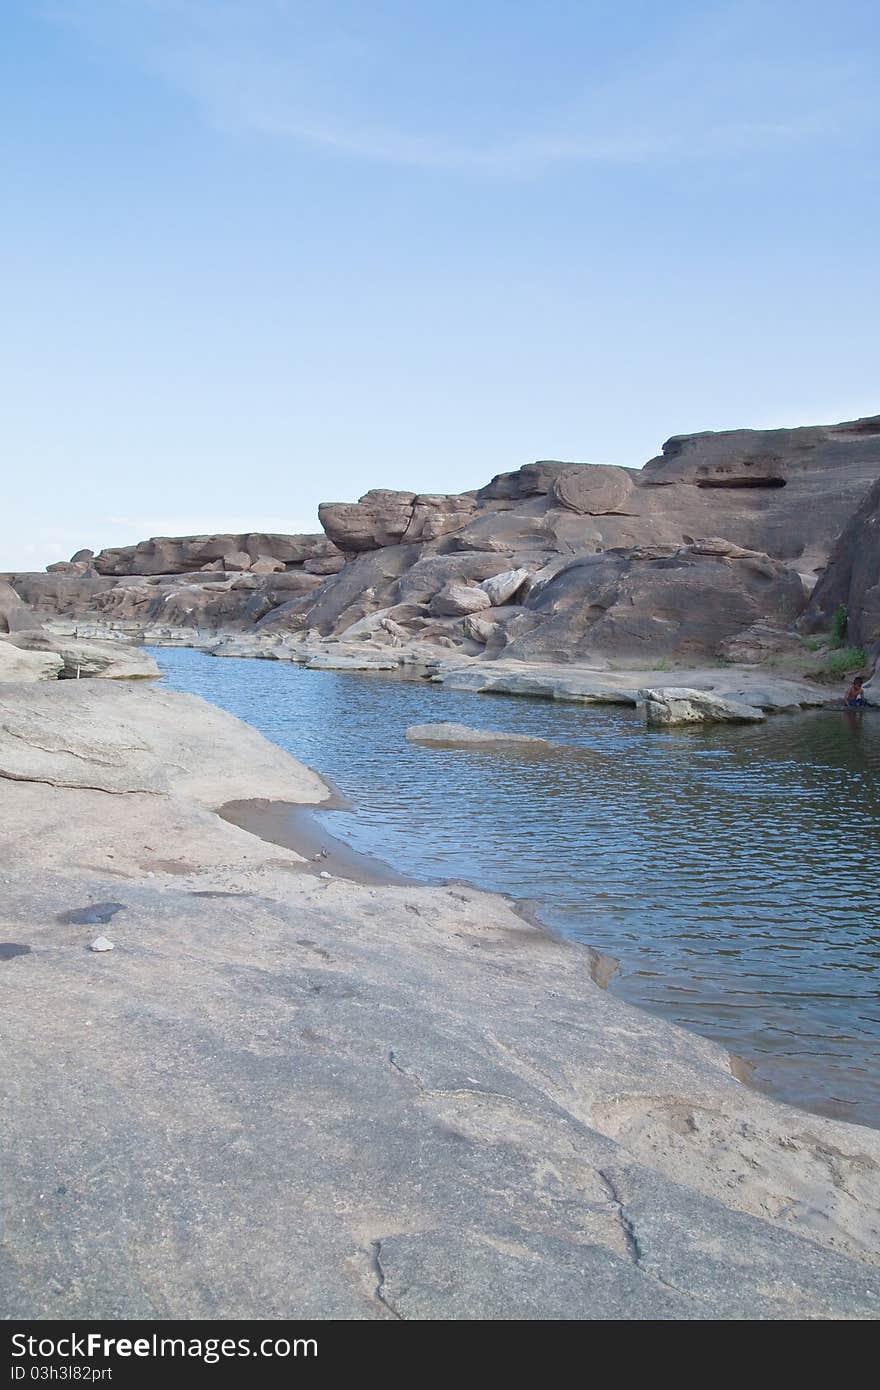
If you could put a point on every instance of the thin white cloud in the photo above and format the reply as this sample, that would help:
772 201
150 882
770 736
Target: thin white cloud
320 76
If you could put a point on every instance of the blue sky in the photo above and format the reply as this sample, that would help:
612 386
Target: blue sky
263 253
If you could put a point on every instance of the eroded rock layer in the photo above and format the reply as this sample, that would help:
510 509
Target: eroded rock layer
721 536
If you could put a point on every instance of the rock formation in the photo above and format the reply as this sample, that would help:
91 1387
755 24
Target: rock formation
108 660
669 705
853 579
719 537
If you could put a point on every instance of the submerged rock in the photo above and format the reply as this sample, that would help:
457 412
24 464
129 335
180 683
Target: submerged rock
463 735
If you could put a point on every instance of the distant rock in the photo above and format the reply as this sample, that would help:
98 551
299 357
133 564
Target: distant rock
266 564
593 491
14 612
183 554
383 517
532 480
479 629
679 705
455 600
501 588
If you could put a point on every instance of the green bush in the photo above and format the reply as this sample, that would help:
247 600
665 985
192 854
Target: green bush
839 624
840 663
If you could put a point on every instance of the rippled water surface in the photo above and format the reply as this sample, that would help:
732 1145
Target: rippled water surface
733 871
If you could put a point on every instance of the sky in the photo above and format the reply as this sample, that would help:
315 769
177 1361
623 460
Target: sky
259 254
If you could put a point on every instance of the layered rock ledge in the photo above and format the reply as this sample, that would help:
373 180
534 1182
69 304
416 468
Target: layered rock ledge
283 1094
710 551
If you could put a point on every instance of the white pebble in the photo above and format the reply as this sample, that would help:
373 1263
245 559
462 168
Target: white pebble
101 943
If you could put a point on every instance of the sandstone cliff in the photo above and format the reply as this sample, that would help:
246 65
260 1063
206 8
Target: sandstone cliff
721 535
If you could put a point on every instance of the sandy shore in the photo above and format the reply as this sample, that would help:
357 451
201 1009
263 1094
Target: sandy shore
302 829
283 1094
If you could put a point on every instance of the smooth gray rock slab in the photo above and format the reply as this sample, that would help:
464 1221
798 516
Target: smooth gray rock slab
679 705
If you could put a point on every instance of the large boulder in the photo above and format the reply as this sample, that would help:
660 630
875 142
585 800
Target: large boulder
502 587
436 515
479 629
681 705
378 519
18 665
455 600
107 660
384 517
532 480
593 490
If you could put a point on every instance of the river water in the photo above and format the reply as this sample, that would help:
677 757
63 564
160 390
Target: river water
734 871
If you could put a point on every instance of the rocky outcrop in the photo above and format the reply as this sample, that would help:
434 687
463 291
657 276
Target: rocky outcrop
681 705
794 489
721 536
14 612
185 554
852 579
131 738
255 1020
18 665
382 517
643 606
593 491
89 659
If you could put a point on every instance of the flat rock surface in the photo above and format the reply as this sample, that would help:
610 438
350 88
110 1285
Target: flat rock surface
18 665
288 1095
89 659
680 705
753 686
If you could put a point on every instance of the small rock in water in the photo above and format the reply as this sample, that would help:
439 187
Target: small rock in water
101 943
324 874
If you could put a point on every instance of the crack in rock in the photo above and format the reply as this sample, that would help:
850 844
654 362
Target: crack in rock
376 1247
630 1239
410 1076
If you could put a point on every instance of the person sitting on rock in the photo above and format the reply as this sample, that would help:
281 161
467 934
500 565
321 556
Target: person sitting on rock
854 697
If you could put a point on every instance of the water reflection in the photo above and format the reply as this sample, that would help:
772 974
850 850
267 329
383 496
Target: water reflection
733 870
